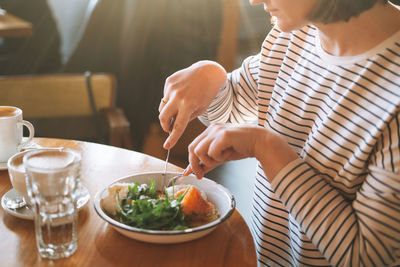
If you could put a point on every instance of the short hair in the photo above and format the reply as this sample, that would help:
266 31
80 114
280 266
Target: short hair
329 11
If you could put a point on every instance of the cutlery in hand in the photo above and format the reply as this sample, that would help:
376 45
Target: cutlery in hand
166 160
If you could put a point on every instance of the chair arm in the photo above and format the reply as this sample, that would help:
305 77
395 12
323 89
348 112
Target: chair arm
119 127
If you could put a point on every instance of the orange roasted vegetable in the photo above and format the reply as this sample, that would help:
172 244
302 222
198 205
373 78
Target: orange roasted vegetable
193 203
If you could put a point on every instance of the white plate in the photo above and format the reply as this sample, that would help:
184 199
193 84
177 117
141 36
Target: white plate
216 193
27 214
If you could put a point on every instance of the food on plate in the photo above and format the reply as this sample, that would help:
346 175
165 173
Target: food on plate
194 204
108 203
142 206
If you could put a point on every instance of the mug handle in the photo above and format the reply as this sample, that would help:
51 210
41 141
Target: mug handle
28 125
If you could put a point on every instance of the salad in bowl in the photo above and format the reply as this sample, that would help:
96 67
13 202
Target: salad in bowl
140 207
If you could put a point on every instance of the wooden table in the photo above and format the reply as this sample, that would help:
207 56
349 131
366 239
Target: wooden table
231 244
11 26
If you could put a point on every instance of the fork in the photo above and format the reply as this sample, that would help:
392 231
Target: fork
173 179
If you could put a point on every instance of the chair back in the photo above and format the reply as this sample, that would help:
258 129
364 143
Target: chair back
57 95
76 106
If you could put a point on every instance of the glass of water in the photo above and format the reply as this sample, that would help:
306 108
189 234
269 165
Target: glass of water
52 181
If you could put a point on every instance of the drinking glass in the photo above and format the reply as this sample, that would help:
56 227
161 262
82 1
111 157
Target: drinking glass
52 181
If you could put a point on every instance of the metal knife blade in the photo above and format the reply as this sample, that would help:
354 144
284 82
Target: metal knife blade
166 160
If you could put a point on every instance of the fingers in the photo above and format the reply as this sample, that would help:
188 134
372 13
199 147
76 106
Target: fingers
166 108
163 102
194 155
179 126
201 150
188 170
167 112
217 144
199 158
197 167
227 155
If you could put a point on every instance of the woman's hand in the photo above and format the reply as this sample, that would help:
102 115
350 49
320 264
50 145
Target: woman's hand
187 94
224 142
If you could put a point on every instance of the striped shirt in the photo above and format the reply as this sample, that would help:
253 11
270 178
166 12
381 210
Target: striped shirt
339 203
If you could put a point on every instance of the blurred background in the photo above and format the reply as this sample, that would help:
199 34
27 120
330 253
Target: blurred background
140 41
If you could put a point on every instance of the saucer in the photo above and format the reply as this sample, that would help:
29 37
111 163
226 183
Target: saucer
26 212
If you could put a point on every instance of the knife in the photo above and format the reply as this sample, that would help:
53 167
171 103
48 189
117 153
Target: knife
166 160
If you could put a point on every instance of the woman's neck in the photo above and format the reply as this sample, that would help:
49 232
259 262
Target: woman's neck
362 33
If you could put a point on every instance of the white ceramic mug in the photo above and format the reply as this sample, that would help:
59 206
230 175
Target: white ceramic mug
11 123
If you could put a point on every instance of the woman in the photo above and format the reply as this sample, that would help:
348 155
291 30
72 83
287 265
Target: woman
325 94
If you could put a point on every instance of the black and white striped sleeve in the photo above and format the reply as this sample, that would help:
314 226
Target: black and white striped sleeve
360 232
237 100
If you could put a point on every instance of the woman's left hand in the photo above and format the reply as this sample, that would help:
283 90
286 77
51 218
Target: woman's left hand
220 143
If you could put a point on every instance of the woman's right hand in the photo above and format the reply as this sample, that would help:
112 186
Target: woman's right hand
187 94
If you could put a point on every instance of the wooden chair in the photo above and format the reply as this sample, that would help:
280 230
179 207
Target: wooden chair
75 106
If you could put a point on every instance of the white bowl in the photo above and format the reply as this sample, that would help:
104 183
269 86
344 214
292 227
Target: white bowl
216 193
